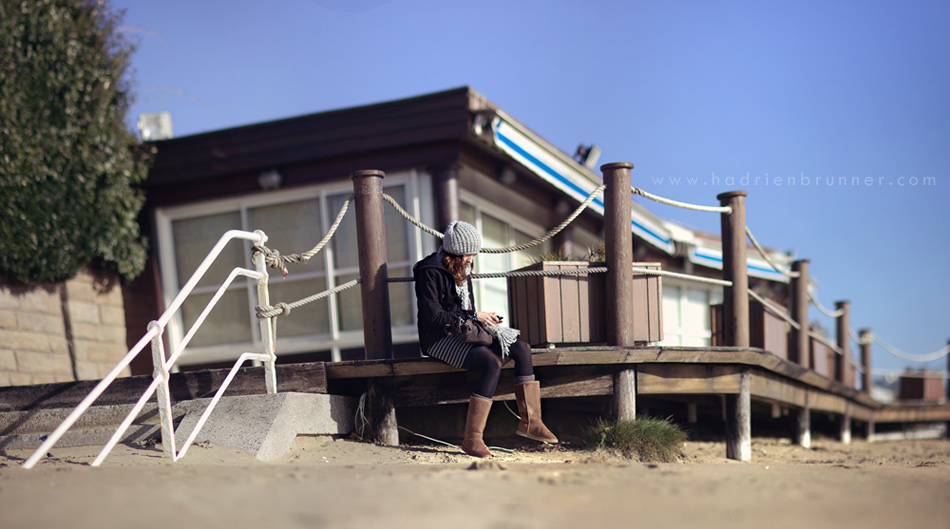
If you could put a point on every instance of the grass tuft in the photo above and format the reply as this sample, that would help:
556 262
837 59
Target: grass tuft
648 439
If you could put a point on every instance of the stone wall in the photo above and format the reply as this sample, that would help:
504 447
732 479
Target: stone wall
61 332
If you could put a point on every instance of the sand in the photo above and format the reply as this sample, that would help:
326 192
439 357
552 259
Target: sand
325 482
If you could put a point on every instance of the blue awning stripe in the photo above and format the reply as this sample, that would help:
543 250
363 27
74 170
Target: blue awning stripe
579 192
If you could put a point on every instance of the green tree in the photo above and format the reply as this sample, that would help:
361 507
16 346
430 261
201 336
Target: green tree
69 165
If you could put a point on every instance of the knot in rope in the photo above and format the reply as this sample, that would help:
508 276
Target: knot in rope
266 311
273 259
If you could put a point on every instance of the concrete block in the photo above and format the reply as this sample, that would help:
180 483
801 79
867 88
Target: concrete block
58 344
114 316
7 360
83 312
21 379
24 341
5 379
43 363
96 351
85 331
265 426
86 370
41 323
111 334
8 301
42 301
80 289
8 319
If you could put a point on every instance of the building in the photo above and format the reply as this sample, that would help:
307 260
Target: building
447 155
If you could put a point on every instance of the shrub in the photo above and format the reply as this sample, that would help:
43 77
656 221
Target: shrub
650 440
69 165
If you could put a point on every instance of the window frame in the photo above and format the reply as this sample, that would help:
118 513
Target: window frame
416 186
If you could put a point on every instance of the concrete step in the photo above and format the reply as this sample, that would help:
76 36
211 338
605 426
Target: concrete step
80 437
47 420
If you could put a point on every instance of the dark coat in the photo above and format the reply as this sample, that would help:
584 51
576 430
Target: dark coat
439 302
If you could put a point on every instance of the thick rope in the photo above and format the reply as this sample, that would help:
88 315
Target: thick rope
909 357
283 309
775 309
826 312
419 224
280 262
711 209
765 256
824 339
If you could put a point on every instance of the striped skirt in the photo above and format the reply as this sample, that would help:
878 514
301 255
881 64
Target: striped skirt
452 351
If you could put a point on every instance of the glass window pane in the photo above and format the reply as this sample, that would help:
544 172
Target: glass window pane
467 212
696 312
344 243
494 235
397 227
400 298
228 322
293 227
195 237
349 305
671 307
307 320
531 255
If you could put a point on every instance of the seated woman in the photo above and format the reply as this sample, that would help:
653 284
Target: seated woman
444 292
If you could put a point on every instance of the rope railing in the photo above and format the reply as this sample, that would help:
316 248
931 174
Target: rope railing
768 259
820 307
684 205
911 357
775 309
275 260
824 340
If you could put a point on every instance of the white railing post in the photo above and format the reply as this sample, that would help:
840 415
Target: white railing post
160 372
267 324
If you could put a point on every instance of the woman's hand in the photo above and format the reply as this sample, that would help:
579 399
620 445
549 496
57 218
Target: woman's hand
488 318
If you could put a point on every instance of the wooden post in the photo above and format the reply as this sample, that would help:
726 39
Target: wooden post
374 274
619 242
734 269
625 394
374 294
803 433
843 372
845 434
739 421
865 336
446 191
799 352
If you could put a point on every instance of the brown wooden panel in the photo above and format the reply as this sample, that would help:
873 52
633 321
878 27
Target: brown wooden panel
768 387
687 379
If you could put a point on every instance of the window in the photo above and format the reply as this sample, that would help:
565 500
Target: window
294 221
498 230
686 312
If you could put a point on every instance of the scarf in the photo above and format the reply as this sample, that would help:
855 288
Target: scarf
505 335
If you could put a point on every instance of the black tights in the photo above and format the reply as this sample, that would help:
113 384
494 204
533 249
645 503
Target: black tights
487 361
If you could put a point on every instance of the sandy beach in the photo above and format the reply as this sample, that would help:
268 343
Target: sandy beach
326 482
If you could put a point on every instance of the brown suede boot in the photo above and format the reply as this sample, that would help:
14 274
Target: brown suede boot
473 444
528 396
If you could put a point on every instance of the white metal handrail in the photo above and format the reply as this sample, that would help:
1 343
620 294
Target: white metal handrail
162 366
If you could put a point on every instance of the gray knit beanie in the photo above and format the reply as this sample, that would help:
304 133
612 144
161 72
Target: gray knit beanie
461 238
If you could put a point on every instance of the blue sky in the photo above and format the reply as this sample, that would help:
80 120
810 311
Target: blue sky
849 99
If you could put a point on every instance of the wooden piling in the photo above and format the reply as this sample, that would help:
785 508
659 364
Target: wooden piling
865 336
803 432
446 194
799 352
618 239
739 421
625 394
843 372
374 275
374 294
845 434
734 269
